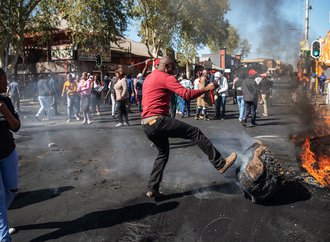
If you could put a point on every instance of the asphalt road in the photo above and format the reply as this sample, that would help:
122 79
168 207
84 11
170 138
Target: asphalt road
89 185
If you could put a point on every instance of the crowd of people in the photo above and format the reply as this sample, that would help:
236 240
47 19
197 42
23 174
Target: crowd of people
84 95
249 89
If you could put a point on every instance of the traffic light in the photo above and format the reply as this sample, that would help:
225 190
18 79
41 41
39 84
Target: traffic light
98 60
316 49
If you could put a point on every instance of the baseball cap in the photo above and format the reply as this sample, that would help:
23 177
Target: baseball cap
252 72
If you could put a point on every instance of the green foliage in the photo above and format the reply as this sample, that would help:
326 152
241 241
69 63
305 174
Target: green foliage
43 22
233 43
183 24
187 52
95 22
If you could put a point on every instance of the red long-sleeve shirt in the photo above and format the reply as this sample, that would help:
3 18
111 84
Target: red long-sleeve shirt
157 89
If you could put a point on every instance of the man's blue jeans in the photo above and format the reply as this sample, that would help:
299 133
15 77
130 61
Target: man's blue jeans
240 104
8 190
185 107
72 105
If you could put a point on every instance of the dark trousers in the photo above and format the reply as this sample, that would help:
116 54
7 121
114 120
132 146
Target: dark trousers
166 127
54 104
173 105
122 111
140 102
250 108
220 106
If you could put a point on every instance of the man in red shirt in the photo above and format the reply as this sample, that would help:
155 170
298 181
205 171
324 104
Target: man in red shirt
159 126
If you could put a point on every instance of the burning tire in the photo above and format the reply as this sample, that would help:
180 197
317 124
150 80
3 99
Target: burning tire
261 177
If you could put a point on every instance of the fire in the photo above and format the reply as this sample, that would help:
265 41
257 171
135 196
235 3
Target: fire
315 161
318 167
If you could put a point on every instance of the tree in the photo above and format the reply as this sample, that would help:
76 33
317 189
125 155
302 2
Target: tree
14 15
187 54
243 48
93 21
234 44
230 43
173 22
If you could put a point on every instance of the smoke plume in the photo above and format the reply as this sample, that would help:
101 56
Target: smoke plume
268 27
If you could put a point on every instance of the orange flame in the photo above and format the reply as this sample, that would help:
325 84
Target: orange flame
318 167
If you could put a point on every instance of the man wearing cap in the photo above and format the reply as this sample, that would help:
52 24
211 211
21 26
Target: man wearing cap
250 96
158 126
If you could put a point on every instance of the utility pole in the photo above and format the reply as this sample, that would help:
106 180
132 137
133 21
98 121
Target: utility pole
307 21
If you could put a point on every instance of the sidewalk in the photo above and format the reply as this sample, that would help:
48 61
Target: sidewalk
322 104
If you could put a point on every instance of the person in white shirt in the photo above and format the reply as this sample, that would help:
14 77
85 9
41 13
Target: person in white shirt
220 95
197 80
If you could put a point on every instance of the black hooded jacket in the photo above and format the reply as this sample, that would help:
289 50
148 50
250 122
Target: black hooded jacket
250 90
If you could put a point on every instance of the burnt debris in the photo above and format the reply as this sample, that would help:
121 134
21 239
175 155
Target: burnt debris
261 177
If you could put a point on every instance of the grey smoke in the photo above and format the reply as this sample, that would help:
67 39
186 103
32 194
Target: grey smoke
268 28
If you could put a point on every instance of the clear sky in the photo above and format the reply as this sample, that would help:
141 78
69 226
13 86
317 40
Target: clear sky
273 27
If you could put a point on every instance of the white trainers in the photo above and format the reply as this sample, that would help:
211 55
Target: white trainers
89 122
12 231
151 194
119 125
84 122
68 121
126 124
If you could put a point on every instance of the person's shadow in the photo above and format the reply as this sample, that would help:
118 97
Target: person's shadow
225 188
23 199
99 219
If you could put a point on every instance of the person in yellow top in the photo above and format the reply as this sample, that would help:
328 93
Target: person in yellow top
70 90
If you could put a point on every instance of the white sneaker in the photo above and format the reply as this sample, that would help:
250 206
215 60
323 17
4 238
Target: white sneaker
12 231
68 121
126 124
119 125
83 122
89 122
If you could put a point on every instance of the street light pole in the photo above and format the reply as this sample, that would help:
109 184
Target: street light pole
307 21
